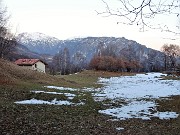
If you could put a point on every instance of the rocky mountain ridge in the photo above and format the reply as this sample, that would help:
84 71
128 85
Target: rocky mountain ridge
89 46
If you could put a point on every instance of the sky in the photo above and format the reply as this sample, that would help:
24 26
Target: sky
67 19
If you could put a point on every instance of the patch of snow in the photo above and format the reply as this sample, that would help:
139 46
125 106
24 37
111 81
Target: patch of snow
113 120
139 86
120 128
91 89
138 109
60 88
69 95
34 91
53 102
35 101
134 89
88 89
32 101
166 115
81 103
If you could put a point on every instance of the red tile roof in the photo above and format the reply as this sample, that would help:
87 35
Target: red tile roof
27 61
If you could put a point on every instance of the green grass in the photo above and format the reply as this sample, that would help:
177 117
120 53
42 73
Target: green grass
89 78
84 79
84 119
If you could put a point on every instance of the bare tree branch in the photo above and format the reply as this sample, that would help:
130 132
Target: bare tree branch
142 12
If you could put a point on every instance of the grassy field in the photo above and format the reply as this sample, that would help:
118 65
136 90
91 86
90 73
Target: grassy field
17 83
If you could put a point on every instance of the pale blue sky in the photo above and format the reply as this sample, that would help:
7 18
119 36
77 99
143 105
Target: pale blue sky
77 18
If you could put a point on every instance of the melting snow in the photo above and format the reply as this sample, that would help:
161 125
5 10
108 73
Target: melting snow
139 86
120 128
134 89
60 88
69 95
53 102
35 101
138 109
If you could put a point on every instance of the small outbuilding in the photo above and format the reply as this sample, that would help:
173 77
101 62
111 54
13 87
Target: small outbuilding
34 64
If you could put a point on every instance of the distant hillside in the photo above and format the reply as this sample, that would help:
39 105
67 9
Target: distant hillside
10 73
88 47
21 51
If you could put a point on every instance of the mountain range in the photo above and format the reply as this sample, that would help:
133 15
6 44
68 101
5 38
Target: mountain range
49 46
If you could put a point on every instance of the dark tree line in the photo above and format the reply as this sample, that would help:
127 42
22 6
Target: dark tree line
113 64
107 59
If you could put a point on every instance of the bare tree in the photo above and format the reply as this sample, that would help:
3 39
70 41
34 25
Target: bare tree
143 12
171 52
79 61
61 62
66 61
7 43
7 40
57 63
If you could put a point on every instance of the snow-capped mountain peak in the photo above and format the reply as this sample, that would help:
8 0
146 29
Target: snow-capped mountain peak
36 36
38 42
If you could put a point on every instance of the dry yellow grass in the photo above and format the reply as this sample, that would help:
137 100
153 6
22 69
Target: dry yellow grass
11 73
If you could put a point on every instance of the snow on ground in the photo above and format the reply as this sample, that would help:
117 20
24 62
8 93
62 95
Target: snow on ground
138 109
134 90
69 95
119 128
139 91
139 86
35 101
53 102
60 88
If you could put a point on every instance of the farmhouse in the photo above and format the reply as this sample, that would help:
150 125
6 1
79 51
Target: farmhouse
34 64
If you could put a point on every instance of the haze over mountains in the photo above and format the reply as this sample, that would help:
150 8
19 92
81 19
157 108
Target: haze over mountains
89 46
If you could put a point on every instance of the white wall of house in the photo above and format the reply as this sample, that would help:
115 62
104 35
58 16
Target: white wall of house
39 66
